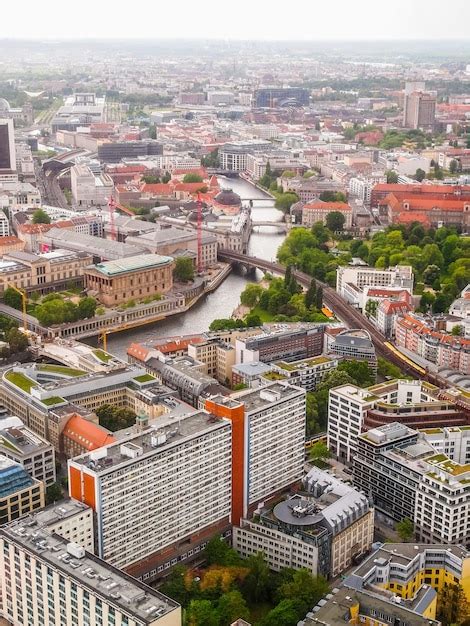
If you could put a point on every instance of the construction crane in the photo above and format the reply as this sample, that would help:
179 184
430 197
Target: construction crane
112 206
200 266
104 339
23 304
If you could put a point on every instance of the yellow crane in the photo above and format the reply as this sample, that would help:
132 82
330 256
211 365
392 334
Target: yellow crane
23 304
104 339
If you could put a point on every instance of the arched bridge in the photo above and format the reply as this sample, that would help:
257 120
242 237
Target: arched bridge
349 314
279 225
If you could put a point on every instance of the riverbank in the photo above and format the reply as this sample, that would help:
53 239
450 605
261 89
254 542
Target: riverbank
252 182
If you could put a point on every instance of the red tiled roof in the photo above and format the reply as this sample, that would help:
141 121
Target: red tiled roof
87 434
137 351
9 239
176 344
164 189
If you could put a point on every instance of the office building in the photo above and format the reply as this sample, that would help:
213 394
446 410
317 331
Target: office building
115 151
326 529
233 156
158 495
353 409
355 344
407 477
365 606
299 341
47 580
35 454
306 373
19 493
274 97
250 374
416 573
7 147
268 436
419 110
360 276
218 357
314 212
88 188
132 278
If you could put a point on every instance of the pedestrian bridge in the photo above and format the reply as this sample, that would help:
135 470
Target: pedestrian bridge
282 226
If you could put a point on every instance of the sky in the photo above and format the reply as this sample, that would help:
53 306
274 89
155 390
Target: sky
237 19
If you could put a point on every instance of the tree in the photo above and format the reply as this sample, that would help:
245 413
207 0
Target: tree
304 588
319 298
115 418
452 605
332 196
175 585
218 552
17 340
257 582
359 371
202 613
387 369
232 606
405 529
335 221
453 166
457 331
319 453
41 217
311 295
420 174
286 613
150 179
392 177
371 307
252 320
285 200
183 270
192 177
426 301
166 177
430 274
251 294
53 493
87 307
12 298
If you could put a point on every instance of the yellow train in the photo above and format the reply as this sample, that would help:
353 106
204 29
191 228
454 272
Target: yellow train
417 368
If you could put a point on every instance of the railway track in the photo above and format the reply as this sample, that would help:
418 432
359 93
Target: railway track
342 309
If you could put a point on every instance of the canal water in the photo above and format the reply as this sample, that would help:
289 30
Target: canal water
264 243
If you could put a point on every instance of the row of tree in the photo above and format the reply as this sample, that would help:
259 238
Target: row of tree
232 587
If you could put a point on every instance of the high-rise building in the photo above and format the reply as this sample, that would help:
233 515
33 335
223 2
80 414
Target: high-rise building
7 145
45 580
419 107
158 495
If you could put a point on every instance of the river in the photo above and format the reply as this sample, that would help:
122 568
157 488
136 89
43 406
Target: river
263 243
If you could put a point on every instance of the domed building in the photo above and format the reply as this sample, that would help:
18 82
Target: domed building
227 202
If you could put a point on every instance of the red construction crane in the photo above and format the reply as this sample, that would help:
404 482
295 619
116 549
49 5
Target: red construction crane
112 206
200 266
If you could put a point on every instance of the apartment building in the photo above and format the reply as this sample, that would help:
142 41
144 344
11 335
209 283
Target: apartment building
268 436
48 580
306 373
359 276
233 156
318 212
326 529
439 347
352 409
35 454
158 495
19 493
299 341
218 357
43 272
139 277
250 374
408 477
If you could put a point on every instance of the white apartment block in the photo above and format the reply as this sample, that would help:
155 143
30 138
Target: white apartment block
4 225
453 441
156 488
47 581
399 276
35 454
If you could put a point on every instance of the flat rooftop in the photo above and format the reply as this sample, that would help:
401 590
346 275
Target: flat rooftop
159 437
55 513
100 578
131 264
22 440
263 396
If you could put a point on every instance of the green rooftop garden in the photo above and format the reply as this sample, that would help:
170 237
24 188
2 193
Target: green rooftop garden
102 355
7 444
298 365
21 380
274 376
447 465
53 400
144 378
61 369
